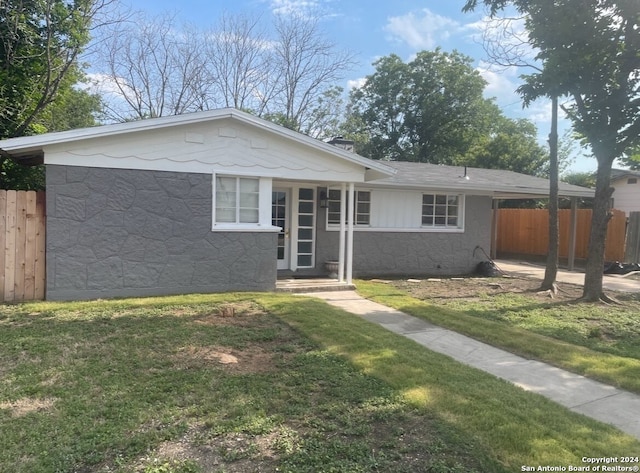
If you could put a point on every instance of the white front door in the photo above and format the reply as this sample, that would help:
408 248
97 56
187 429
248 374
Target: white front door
280 210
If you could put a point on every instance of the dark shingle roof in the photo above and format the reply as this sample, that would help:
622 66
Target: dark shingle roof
623 173
478 181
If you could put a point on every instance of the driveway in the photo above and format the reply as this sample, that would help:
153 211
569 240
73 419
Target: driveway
609 282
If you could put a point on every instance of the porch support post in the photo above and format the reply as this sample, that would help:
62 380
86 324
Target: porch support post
493 251
573 226
350 233
343 227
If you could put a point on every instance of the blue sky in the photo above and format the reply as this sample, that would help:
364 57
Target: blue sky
372 29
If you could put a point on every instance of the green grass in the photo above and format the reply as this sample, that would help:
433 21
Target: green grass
595 340
136 386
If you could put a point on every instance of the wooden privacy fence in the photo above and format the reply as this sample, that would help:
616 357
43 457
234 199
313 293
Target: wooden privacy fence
22 245
526 232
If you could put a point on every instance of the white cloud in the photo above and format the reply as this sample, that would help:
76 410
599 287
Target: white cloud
356 83
424 30
103 84
540 111
500 84
294 7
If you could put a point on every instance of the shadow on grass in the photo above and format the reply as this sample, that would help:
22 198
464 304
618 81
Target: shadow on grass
538 331
108 387
515 427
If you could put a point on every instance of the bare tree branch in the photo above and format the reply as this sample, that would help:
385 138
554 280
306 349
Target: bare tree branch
308 65
155 68
506 43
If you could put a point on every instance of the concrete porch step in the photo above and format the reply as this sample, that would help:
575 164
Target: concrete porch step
312 285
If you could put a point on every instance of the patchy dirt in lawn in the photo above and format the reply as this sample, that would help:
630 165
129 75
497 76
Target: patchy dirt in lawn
232 453
406 439
240 314
24 406
252 359
473 288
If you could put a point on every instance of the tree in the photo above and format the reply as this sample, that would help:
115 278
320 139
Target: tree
74 107
507 46
428 110
584 179
40 43
238 64
39 47
632 159
155 69
325 117
432 109
160 69
590 52
510 144
308 65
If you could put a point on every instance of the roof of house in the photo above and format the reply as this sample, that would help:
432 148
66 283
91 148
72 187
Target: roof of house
617 174
494 182
30 149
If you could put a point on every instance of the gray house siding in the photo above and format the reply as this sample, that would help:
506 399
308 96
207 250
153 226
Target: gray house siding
115 232
415 253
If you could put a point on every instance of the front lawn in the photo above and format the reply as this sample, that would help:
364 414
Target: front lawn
259 382
593 339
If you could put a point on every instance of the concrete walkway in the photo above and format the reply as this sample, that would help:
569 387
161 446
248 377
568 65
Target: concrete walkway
591 398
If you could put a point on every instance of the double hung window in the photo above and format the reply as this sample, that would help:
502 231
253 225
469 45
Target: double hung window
441 211
237 200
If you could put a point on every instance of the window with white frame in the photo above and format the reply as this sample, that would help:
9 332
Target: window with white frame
237 200
362 208
441 211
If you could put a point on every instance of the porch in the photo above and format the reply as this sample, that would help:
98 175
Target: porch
299 285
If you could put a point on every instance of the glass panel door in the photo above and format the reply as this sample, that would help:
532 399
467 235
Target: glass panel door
306 228
280 218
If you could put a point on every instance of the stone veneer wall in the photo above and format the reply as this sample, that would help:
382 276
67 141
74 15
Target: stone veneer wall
415 253
115 232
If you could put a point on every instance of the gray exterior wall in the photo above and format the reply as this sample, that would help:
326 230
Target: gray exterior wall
414 253
115 232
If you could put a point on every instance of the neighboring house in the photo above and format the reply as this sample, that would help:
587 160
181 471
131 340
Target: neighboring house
222 200
626 194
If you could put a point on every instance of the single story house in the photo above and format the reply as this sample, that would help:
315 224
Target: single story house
626 194
221 200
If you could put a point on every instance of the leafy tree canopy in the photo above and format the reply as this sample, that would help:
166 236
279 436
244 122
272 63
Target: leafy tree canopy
513 145
590 50
39 47
590 53
632 159
432 109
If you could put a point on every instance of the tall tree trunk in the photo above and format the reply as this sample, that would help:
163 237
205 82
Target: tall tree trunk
551 270
597 237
